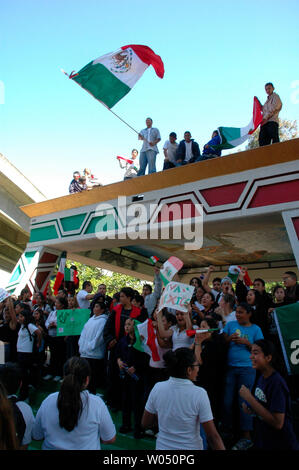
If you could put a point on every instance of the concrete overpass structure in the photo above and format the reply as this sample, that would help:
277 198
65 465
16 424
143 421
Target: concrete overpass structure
248 202
15 191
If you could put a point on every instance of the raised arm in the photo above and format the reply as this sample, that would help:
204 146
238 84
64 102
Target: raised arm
163 333
206 279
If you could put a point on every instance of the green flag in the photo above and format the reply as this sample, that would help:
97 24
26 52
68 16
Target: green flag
287 322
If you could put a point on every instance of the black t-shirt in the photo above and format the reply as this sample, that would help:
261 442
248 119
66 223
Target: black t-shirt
274 395
7 335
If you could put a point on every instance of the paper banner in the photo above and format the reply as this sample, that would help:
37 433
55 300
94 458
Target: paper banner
176 296
71 322
3 295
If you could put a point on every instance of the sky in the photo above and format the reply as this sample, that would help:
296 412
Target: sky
217 56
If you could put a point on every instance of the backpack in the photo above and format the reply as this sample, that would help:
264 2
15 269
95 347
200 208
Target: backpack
19 419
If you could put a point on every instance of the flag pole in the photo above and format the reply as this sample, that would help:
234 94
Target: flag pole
121 119
72 74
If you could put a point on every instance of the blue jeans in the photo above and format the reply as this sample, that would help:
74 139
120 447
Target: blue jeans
235 378
147 158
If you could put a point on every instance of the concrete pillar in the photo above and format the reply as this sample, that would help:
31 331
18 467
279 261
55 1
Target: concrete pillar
33 270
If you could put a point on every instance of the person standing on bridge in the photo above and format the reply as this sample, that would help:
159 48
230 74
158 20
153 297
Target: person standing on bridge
269 132
151 137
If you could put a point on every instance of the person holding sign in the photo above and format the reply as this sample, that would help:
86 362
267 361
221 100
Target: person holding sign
270 403
177 333
92 345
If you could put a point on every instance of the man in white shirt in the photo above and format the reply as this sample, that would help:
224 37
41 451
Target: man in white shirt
269 129
151 137
85 295
170 148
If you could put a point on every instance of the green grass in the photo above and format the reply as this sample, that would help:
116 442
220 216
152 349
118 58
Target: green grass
123 441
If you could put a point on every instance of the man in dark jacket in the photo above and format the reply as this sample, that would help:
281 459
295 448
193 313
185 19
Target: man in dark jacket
188 150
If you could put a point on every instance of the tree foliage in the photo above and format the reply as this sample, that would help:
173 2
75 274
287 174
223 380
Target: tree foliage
113 280
287 130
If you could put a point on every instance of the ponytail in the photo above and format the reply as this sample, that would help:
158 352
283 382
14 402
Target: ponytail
178 361
69 402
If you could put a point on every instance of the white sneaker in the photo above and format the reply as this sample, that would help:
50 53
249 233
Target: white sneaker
57 378
48 377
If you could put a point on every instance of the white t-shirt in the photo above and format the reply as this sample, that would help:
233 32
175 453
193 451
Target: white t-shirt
52 318
181 406
29 421
189 153
180 338
171 150
95 423
161 351
83 303
24 344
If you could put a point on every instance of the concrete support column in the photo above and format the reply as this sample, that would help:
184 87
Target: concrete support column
33 270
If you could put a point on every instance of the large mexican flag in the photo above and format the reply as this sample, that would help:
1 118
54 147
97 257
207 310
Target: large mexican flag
287 322
233 136
110 77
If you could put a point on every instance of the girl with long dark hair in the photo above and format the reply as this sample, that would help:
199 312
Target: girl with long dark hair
74 419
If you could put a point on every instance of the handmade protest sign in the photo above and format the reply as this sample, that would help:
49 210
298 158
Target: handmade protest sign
286 319
3 295
170 268
71 322
177 296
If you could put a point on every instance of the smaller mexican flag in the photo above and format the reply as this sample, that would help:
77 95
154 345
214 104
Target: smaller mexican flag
170 268
70 274
154 259
233 136
233 273
125 159
147 343
110 77
60 273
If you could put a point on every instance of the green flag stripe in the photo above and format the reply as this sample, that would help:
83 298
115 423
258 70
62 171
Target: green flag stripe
102 84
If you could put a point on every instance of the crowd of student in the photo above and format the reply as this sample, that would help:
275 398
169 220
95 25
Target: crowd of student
192 388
